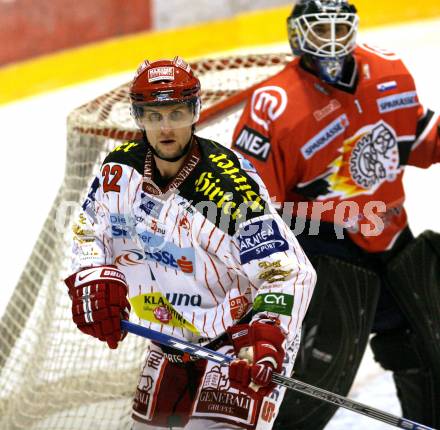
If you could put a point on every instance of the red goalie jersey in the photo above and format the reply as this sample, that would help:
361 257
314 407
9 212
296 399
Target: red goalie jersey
343 148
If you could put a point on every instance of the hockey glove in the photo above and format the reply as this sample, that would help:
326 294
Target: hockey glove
99 302
260 352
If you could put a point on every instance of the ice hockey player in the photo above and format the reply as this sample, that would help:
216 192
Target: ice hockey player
180 229
330 135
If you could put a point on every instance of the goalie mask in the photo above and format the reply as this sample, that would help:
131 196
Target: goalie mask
165 83
325 31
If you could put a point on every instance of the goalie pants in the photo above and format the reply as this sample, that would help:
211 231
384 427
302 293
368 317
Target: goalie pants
395 296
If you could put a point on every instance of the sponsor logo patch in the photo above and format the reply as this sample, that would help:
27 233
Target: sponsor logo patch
179 358
327 110
238 307
120 226
89 204
260 239
246 165
164 73
143 395
115 274
253 143
210 185
273 272
184 223
155 226
167 253
215 398
150 206
80 229
162 314
267 104
268 411
325 136
155 307
274 302
132 257
397 101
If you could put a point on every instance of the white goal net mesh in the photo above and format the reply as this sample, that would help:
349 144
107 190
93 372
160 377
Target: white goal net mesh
51 375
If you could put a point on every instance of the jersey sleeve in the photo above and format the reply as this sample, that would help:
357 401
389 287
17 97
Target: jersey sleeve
426 147
92 239
261 141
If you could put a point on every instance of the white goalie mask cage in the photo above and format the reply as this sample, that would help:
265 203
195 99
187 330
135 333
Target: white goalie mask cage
309 40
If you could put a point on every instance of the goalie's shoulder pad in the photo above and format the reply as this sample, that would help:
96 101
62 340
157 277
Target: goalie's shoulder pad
131 153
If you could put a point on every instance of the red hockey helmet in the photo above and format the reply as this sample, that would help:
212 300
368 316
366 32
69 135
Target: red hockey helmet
165 82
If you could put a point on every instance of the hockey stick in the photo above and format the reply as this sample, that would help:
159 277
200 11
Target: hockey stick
293 384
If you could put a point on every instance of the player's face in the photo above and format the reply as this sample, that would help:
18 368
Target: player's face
168 128
321 34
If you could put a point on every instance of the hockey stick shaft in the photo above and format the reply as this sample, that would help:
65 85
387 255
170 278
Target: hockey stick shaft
291 383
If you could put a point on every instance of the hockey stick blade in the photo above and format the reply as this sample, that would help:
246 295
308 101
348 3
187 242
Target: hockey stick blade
291 383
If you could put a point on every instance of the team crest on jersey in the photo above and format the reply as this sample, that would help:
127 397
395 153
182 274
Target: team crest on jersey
267 104
367 160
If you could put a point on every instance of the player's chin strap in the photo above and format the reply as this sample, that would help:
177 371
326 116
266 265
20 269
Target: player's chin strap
293 384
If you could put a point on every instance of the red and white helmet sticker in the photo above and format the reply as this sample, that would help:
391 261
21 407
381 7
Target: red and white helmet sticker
142 67
180 62
164 73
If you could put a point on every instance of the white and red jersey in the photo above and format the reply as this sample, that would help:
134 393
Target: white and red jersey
344 147
199 254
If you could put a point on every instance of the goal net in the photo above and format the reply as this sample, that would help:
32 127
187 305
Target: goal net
51 375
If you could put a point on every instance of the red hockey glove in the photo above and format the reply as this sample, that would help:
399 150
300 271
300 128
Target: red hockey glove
99 302
260 352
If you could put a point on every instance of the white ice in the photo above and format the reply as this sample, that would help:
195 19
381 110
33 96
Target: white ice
33 156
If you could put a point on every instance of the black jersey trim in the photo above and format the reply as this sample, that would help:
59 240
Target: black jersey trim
221 190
